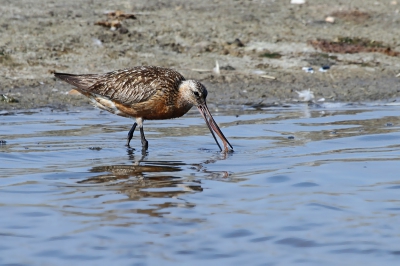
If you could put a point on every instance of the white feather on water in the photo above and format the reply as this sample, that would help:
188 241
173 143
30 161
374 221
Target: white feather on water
305 95
216 68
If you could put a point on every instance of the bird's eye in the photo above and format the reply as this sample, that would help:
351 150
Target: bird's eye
196 93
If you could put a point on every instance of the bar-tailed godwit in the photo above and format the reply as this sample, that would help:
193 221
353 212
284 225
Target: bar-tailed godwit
146 93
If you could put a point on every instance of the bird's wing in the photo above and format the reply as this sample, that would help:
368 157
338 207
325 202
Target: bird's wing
136 85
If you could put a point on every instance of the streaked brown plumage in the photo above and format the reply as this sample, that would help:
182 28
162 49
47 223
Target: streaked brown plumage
145 93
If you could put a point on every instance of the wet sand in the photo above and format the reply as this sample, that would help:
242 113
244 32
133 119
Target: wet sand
40 37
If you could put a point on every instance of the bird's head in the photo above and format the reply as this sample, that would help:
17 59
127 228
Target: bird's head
194 93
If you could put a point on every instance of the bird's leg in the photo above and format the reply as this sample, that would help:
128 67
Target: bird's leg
145 143
130 134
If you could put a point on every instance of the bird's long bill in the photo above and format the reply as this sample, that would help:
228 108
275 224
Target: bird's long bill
213 127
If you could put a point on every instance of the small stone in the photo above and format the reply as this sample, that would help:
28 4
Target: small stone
7 99
123 30
297 2
324 68
308 69
95 148
330 19
227 67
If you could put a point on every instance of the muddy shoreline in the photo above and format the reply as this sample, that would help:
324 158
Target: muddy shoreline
251 40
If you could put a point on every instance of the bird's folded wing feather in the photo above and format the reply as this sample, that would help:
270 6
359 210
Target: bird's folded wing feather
137 84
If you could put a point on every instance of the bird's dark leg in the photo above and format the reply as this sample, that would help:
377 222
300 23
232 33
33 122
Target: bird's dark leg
130 134
145 143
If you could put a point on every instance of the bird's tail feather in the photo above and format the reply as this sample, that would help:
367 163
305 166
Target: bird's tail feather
82 82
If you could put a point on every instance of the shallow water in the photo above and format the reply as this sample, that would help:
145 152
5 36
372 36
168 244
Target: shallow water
305 186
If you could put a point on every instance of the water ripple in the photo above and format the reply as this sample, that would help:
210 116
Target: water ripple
71 192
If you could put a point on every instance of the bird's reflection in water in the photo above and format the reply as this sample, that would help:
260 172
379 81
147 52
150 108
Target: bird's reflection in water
153 179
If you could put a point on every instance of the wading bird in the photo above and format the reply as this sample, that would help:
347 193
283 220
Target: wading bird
146 93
